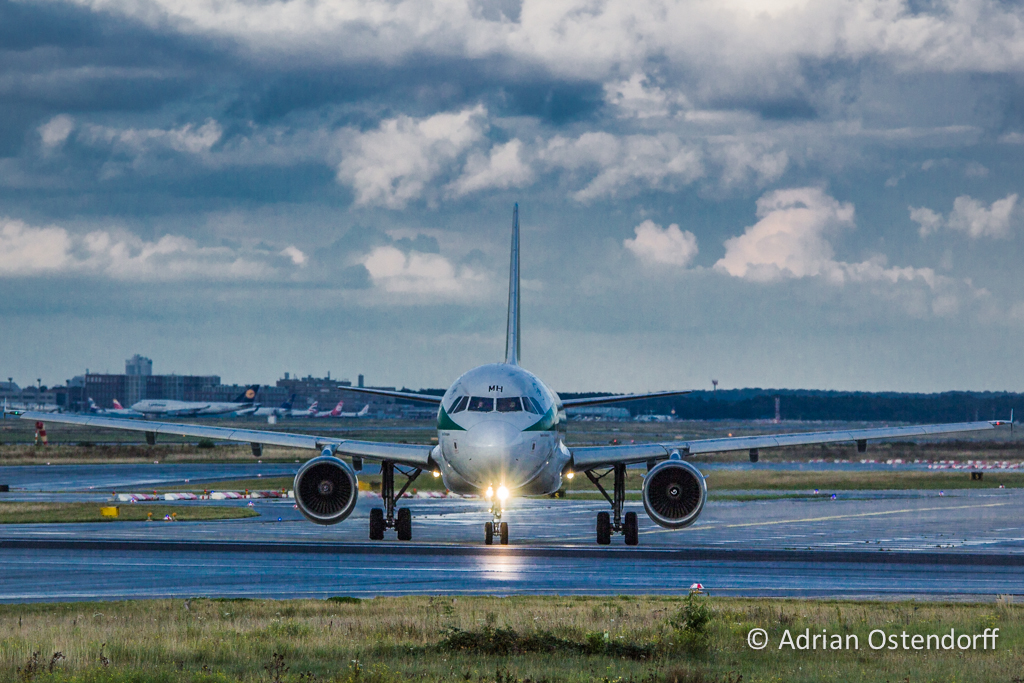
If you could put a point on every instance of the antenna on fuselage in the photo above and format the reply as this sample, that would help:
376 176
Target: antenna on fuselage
512 337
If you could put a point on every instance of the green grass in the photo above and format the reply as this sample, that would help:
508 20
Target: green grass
507 640
35 513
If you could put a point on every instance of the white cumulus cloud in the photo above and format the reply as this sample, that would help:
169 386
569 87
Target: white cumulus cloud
791 240
503 167
971 217
27 250
623 166
54 132
394 163
670 245
417 273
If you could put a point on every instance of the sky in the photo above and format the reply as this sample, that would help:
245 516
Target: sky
776 193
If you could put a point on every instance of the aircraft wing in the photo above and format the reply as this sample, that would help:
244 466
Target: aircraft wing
589 457
412 455
410 395
599 400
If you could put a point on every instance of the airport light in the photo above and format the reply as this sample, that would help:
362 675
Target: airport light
502 493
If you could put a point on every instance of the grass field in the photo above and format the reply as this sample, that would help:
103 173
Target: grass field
31 513
505 640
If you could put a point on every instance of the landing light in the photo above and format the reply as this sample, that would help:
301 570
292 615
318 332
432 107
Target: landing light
502 493
489 494
570 475
436 474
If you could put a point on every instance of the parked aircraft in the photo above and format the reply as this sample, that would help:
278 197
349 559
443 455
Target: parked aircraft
284 410
244 404
337 411
500 433
117 411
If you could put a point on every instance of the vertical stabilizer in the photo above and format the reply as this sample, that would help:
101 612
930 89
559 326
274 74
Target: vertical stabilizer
512 337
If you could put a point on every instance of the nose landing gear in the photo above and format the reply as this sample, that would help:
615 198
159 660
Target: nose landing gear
496 527
628 527
381 519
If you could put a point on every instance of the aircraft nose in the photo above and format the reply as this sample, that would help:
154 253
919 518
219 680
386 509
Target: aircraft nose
497 453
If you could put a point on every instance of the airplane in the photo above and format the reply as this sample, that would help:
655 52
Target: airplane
284 410
337 412
501 433
242 405
118 410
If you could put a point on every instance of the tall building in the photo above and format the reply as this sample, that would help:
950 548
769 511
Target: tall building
138 365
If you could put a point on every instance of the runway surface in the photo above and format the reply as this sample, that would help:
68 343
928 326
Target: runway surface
961 545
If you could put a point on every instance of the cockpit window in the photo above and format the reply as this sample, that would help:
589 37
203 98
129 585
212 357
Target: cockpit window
538 406
529 405
481 404
458 405
509 405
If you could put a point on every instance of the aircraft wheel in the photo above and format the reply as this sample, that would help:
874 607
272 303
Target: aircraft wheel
604 528
376 524
503 530
488 533
403 525
631 529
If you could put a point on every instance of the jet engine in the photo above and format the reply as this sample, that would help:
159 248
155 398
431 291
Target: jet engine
674 492
326 490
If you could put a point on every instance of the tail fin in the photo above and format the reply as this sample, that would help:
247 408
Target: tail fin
117 405
337 409
313 408
512 335
249 395
287 405
364 411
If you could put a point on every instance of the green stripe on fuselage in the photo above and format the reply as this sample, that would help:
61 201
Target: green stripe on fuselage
546 423
445 422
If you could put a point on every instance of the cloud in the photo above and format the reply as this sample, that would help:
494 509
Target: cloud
971 217
790 241
416 273
54 132
502 168
27 251
639 98
394 163
187 139
296 255
670 246
622 166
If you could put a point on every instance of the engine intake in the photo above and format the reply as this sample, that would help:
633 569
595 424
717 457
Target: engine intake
326 489
674 492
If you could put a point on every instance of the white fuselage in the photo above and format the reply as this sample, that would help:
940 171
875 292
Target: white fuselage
189 408
489 437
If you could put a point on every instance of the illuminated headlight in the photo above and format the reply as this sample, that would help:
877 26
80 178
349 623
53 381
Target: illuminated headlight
502 493
436 474
570 475
489 494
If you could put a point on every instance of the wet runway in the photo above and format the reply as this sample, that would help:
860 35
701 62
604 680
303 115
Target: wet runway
961 545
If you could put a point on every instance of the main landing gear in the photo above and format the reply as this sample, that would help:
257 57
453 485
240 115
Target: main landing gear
496 527
628 526
381 519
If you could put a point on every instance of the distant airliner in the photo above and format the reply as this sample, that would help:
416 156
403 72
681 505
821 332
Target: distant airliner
243 404
501 433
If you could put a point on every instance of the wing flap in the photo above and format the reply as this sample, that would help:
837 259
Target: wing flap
400 453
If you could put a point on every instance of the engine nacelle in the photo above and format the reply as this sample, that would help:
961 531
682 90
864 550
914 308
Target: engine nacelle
326 489
674 493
